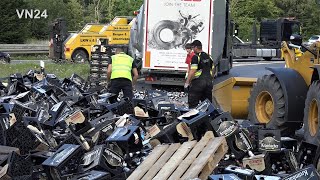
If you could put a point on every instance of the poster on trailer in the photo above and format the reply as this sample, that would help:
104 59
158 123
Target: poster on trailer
170 25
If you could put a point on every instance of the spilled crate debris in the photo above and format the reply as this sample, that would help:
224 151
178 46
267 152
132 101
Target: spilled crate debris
69 128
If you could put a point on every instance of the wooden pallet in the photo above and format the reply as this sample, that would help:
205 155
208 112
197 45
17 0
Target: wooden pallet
189 160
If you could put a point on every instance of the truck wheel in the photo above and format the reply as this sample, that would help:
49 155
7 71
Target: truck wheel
228 71
267 104
267 58
311 114
79 56
158 39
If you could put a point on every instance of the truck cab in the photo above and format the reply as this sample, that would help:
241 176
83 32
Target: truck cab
272 33
77 46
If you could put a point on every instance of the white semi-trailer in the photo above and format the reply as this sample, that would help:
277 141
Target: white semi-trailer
163 27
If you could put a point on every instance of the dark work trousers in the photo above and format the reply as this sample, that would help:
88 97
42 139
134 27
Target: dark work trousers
200 90
119 84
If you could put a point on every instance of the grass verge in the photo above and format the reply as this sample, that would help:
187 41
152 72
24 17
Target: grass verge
60 70
29 57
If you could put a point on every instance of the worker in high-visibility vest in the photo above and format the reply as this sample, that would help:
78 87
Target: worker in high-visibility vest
120 70
199 82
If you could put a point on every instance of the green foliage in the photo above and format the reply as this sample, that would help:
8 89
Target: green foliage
79 12
103 11
13 29
307 12
74 19
76 12
124 8
244 12
71 10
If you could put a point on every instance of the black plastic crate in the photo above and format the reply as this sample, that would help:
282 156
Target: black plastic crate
21 137
17 166
64 162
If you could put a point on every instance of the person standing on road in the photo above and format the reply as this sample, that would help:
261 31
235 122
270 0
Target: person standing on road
190 54
119 74
199 83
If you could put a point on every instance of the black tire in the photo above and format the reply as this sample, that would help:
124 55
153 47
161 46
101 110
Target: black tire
80 56
312 115
228 71
267 58
165 24
266 90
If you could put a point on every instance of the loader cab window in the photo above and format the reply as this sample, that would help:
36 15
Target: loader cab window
290 28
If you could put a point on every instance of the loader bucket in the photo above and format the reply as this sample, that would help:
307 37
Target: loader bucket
233 94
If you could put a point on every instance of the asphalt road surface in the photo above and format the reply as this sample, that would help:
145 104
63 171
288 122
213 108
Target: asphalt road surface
252 68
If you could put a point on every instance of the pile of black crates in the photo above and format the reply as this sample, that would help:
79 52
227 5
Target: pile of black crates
100 58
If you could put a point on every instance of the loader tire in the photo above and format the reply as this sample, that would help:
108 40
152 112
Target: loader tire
312 115
267 104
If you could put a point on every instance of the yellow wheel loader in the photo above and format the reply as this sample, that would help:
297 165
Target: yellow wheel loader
285 99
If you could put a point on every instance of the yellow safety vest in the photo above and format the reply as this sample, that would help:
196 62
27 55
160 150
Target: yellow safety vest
121 66
199 72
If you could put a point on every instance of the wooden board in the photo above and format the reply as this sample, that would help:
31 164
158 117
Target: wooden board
146 164
175 160
161 161
192 156
192 159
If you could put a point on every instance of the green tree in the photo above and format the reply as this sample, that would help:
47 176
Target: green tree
127 7
89 15
103 11
13 29
75 16
245 12
70 10
39 28
307 12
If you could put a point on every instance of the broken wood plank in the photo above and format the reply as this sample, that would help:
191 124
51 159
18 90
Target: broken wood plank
175 160
161 161
206 154
184 165
212 164
148 162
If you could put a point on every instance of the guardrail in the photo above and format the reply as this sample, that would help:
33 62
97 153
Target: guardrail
25 48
